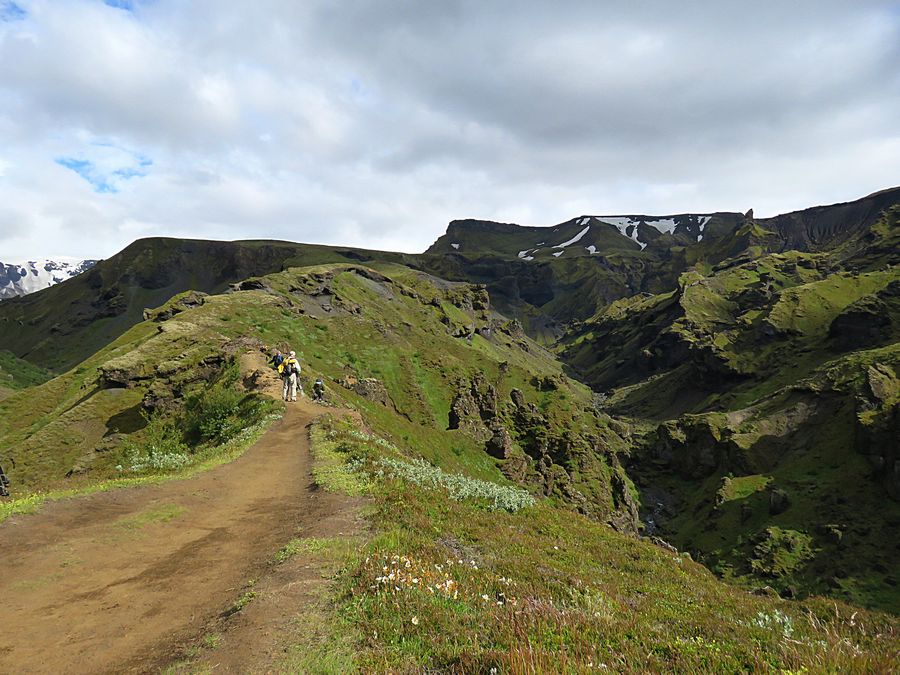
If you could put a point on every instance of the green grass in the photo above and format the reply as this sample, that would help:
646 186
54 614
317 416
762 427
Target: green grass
397 331
334 461
297 546
245 599
449 585
16 373
76 429
553 592
740 487
780 552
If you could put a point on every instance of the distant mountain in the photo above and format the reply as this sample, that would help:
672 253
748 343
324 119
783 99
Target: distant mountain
584 235
549 276
812 229
22 278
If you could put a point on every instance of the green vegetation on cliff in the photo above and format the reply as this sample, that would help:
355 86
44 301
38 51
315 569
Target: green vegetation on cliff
450 584
764 395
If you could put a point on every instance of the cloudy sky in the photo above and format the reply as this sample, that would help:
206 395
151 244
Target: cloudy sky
375 122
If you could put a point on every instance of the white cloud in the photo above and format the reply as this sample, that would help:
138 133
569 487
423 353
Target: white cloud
374 123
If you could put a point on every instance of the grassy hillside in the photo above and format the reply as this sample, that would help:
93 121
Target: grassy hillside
67 323
530 274
449 581
749 389
421 358
16 373
753 405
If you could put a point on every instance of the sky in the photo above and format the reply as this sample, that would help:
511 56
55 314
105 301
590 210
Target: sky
373 123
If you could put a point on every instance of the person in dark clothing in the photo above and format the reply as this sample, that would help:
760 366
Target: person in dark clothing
277 359
318 390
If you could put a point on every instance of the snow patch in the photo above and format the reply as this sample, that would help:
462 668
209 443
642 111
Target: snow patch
528 257
591 249
524 253
622 224
574 239
22 278
666 225
456 246
558 253
703 221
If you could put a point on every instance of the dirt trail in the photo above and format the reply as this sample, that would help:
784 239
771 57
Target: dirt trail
113 582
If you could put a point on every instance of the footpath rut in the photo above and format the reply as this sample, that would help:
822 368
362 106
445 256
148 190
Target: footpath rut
111 582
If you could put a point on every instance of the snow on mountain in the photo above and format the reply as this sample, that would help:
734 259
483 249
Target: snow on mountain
22 278
628 225
574 239
623 224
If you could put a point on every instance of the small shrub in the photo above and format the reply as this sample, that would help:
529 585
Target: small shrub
162 447
246 598
221 411
777 621
340 459
423 474
295 546
781 552
217 414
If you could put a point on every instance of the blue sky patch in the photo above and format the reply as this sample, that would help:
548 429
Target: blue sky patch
127 5
10 11
106 166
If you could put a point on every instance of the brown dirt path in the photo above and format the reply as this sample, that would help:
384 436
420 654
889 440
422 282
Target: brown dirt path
113 582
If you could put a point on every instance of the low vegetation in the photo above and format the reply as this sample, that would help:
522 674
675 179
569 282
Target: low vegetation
456 486
16 373
447 584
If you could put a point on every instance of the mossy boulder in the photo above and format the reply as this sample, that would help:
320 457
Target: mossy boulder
779 553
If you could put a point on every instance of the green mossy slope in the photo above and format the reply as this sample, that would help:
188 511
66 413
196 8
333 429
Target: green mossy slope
421 358
780 373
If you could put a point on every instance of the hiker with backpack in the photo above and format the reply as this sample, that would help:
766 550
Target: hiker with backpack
289 369
318 390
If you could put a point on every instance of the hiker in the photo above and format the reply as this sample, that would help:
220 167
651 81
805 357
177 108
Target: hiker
289 369
277 360
318 390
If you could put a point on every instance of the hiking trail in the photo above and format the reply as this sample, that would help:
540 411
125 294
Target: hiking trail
120 581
